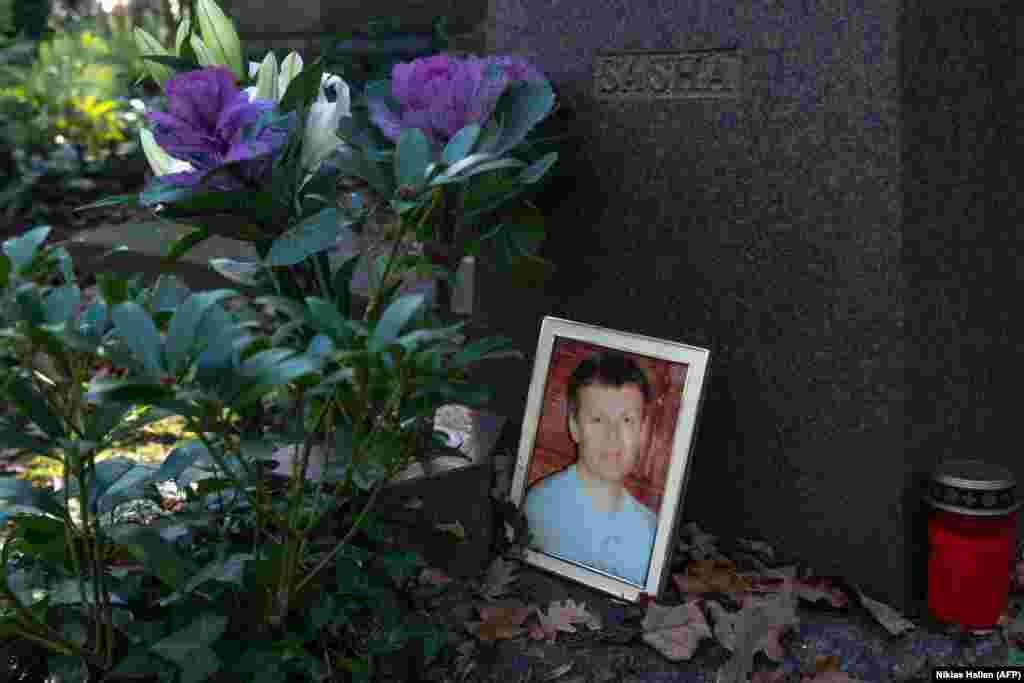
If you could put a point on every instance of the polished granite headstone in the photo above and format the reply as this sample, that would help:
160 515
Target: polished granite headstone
819 193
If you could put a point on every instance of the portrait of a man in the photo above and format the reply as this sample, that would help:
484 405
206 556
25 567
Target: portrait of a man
584 512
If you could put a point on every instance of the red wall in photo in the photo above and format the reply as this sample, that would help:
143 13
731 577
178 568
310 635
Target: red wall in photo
554 449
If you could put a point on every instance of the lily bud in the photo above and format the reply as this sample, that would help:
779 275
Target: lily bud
291 66
266 81
160 161
148 45
320 138
220 36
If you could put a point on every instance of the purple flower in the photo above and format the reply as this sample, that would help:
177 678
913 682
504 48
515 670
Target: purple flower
440 95
208 124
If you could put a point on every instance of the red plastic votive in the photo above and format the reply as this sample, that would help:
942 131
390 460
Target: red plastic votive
969 567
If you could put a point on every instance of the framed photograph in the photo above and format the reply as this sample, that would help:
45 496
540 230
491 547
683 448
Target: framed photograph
605 453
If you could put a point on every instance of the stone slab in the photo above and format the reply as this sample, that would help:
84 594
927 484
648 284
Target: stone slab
818 193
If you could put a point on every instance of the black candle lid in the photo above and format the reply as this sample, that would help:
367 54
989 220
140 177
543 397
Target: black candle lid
974 488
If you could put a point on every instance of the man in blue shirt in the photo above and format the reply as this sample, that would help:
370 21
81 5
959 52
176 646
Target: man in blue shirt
584 513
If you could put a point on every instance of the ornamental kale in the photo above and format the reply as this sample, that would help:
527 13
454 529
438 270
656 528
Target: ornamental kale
441 95
209 122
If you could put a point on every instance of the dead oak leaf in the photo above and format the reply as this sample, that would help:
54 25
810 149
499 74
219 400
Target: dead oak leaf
562 617
711 576
500 622
675 631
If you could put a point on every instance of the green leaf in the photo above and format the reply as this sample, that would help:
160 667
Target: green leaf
30 304
32 405
400 566
132 392
394 318
184 244
477 169
413 157
190 646
184 326
256 205
139 664
139 333
180 459
177 63
113 287
129 485
311 236
537 169
114 200
461 144
303 89
167 295
107 415
488 347
248 273
522 106
20 496
343 285
325 318
231 570
11 437
22 249
159 556
5 270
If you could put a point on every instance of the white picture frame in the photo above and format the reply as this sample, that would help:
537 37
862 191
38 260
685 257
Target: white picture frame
676 374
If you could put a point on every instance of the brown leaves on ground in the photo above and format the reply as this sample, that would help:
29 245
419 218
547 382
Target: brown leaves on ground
711 576
500 621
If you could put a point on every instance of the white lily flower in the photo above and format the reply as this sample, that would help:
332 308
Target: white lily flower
321 134
320 138
160 161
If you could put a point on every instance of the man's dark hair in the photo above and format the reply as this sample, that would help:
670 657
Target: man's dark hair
607 368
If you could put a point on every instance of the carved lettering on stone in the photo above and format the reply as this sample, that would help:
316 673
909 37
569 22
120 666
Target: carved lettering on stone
666 75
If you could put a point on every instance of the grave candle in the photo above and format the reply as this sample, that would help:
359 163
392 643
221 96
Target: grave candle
971 536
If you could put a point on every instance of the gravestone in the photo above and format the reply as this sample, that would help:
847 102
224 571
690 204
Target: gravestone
819 192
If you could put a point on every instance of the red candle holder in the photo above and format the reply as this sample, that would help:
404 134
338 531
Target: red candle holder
971 538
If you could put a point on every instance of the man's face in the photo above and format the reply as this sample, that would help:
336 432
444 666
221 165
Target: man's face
608 429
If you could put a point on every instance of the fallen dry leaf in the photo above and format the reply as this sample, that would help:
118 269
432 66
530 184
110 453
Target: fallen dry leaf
499 575
756 627
676 631
730 626
562 617
893 622
815 588
711 576
500 622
